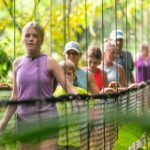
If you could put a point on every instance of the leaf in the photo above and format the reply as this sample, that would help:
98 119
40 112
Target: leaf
128 134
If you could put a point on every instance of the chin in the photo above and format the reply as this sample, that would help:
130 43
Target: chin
92 70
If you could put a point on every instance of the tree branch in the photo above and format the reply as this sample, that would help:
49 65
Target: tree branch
11 14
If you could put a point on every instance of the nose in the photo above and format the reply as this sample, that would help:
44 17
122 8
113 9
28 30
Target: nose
118 42
92 65
31 37
71 56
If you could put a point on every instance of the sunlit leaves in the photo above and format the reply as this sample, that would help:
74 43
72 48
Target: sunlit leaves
64 22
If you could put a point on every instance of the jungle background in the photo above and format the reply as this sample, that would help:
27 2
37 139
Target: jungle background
85 21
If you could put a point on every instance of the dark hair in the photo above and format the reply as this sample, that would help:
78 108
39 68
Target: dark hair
94 51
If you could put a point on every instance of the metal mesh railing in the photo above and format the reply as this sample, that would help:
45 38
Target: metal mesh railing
82 121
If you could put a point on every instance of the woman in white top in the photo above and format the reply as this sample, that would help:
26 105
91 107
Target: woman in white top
115 72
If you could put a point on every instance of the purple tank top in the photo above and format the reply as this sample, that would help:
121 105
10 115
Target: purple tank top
34 82
142 70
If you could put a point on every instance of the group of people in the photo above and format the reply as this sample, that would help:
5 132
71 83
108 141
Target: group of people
34 76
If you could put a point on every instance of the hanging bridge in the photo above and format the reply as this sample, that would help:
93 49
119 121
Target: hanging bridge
91 121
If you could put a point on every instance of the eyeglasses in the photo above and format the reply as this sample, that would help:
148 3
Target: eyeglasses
72 53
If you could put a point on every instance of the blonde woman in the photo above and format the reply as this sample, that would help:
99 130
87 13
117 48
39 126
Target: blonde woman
34 76
115 72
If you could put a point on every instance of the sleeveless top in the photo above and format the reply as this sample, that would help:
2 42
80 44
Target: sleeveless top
98 78
34 82
142 70
82 78
112 74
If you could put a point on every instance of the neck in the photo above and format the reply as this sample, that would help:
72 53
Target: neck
32 55
93 70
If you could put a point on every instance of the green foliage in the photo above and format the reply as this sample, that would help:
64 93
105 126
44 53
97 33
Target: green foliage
74 21
5 60
128 134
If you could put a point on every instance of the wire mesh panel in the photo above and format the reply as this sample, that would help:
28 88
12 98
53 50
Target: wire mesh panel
73 128
111 126
145 99
132 102
5 94
73 123
123 101
149 97
139 104
122 107
96 123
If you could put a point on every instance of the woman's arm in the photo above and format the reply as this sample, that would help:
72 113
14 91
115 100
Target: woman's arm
11 108
105 79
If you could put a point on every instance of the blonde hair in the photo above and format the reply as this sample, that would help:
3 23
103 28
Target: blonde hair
107 44
67 64
37 27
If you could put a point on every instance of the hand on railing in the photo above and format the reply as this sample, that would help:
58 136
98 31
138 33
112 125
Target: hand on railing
133 85
142 83
117 86
108 90
114 84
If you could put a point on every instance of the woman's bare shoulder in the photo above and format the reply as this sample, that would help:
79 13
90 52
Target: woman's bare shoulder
52 63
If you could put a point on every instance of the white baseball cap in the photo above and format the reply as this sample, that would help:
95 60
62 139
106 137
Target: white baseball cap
116 34
72 45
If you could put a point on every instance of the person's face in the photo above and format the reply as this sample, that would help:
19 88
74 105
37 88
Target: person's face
110 54
73 56
145 51
32 40
93 63
69 73
119 45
